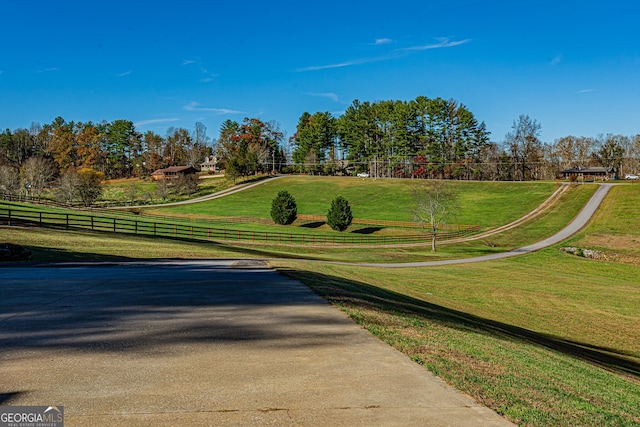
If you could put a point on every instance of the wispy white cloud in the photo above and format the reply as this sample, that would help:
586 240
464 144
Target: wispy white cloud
555 60
338 65
126 73
195 106
586 90
142 123
442 44
48 70
208 77
383 41
398 53
330 95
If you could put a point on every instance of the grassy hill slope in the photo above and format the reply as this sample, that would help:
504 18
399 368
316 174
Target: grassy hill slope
489 204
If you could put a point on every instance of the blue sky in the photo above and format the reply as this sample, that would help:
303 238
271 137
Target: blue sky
574 66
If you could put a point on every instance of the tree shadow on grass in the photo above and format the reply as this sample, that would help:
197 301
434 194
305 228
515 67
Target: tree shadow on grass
367 230
314 224
337 289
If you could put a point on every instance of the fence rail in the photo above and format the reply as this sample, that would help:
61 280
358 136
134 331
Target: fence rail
238 220
70 221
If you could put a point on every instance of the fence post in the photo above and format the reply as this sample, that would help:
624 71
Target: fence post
67 221
91 222
9 219
40 219
114 225
136 227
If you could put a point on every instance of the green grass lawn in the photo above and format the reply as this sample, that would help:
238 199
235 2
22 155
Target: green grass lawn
58 245
486 204
614 230
495 336
139 191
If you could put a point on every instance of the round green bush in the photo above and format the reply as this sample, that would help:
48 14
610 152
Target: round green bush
339 216
283 208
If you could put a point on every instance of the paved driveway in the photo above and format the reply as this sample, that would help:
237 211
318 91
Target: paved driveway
580 221
204 343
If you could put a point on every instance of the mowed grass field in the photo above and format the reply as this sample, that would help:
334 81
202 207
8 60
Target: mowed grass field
486 204
135 190
546 339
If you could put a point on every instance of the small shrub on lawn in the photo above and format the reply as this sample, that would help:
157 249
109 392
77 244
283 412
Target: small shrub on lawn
283 208
339 216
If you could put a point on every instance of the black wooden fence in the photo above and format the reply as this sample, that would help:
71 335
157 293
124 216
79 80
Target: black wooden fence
16 216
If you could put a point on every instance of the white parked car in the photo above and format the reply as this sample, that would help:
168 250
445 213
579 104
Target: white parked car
363 175
630 176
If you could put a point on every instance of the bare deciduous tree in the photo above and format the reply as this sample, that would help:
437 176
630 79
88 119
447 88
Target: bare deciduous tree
66 187
37 173
9 180
524 147
435 203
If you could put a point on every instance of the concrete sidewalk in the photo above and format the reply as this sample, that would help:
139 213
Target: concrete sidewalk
204 343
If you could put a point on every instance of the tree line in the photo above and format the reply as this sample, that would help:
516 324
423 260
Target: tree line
386 137
115 148
420 138
74 156
438 138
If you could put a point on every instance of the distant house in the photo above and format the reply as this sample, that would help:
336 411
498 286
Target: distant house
209 164
173 172
589 173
